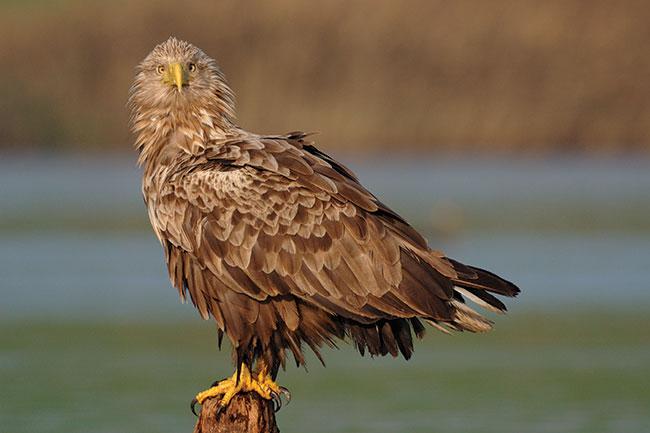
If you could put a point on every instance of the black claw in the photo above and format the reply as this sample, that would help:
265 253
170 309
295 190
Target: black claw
216 382
219 410
278 401
192 404
286 393
194 401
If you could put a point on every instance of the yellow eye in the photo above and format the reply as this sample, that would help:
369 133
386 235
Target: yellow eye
191 67
160 69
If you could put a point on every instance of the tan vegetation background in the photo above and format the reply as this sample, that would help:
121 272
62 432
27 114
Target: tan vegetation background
481 76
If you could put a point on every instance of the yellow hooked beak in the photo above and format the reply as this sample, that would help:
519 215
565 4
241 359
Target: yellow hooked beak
177 76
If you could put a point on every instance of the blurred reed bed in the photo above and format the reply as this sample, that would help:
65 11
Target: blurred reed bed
500 76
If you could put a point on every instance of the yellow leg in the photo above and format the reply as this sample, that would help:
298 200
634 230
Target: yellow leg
259 381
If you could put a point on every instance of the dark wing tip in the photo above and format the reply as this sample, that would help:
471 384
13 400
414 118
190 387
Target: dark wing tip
477 278
495 283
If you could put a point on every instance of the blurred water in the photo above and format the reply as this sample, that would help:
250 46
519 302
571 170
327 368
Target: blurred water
62 264
119 276
92 335
614 192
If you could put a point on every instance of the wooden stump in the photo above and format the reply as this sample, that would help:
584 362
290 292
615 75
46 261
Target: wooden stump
247 412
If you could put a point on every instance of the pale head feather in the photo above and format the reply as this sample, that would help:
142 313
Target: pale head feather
202 109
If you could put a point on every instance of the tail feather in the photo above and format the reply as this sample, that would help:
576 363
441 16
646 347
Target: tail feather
479 298
469 319
441 328
475 284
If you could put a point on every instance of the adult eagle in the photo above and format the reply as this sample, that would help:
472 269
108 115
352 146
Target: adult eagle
276 240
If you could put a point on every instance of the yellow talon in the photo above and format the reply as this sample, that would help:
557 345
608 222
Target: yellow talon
259 382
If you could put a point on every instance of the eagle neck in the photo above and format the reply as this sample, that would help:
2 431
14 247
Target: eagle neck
169 135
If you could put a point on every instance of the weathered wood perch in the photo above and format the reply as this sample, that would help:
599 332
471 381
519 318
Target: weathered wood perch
246 413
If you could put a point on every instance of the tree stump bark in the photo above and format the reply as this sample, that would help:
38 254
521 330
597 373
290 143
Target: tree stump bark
246 413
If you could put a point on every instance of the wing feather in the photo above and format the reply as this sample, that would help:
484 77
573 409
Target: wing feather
268 218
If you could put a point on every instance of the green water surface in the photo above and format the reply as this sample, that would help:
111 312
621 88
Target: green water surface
569 371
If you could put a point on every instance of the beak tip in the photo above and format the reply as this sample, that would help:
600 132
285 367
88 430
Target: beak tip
178 76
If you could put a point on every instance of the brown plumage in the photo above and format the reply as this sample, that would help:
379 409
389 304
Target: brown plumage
277 241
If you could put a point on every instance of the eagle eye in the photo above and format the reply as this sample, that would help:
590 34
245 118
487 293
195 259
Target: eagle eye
160 69
191 67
